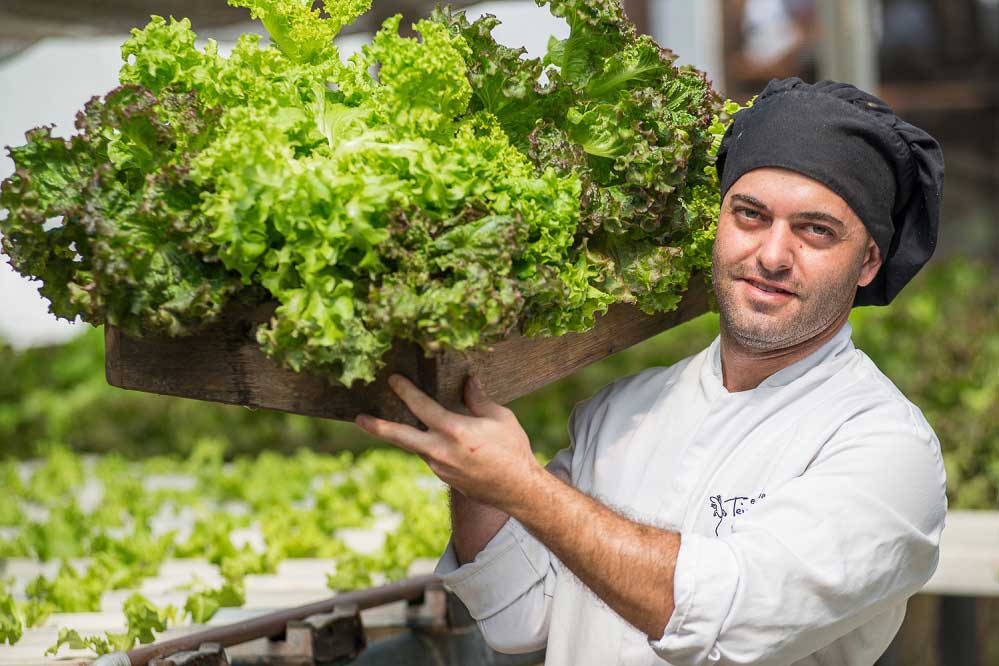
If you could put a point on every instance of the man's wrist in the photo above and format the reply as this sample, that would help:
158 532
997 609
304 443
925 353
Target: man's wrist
530 495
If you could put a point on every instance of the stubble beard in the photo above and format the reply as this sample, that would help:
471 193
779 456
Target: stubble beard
785 326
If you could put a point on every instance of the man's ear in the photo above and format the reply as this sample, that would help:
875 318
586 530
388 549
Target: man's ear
872 263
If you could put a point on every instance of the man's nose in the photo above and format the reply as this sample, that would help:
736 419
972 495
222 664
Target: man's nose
776 251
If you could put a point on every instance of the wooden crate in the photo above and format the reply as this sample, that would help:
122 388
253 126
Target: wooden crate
224 364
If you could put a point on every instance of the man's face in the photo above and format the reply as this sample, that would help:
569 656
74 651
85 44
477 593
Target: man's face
787 259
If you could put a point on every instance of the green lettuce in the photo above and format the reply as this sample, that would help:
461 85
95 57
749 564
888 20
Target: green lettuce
325 219
104 218
11 622
442 189
142 618
637 132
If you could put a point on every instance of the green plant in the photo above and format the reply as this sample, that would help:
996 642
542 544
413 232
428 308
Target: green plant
142 618
11 622
202 605
939 343
307 498
447 199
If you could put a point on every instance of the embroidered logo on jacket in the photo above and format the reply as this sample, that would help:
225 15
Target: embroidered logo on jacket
731 508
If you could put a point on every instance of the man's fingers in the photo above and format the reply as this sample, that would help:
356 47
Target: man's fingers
478 403
405 437
425 408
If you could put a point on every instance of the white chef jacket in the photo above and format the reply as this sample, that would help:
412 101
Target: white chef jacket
810 508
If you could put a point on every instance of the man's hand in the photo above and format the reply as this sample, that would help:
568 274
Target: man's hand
486 456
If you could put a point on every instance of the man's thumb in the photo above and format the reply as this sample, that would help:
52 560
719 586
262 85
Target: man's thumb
476 399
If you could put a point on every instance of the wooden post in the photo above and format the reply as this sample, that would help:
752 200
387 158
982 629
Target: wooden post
958 631
847 45
695 31
638 12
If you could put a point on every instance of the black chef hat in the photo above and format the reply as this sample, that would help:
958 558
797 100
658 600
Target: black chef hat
888 171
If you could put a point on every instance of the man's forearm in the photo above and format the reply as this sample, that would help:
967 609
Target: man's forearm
629 565
473 525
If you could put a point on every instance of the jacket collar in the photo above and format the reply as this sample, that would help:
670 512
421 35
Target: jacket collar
833 349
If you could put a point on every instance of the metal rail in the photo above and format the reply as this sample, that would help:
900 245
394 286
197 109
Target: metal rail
273 624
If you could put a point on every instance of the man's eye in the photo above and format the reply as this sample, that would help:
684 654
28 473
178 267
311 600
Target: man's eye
748 213
819 230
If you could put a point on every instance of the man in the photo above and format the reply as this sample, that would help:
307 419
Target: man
773 499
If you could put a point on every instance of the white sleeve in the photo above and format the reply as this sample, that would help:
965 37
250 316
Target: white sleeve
508 587
855 535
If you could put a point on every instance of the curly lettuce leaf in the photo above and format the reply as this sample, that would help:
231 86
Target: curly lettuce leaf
503 81
641 63
164 52
103 219
422 87
598 30
634 153
568 298
301 32
316 219
429 189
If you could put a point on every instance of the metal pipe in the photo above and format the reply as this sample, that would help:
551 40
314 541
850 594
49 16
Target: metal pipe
272 624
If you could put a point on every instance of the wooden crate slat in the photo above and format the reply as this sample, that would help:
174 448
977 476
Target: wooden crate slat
518 365
224 363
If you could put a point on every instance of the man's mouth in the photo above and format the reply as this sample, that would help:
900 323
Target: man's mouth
767 287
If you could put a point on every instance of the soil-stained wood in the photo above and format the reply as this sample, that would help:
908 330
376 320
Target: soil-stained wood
223 363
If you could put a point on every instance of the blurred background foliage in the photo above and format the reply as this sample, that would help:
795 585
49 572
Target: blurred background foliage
939 343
